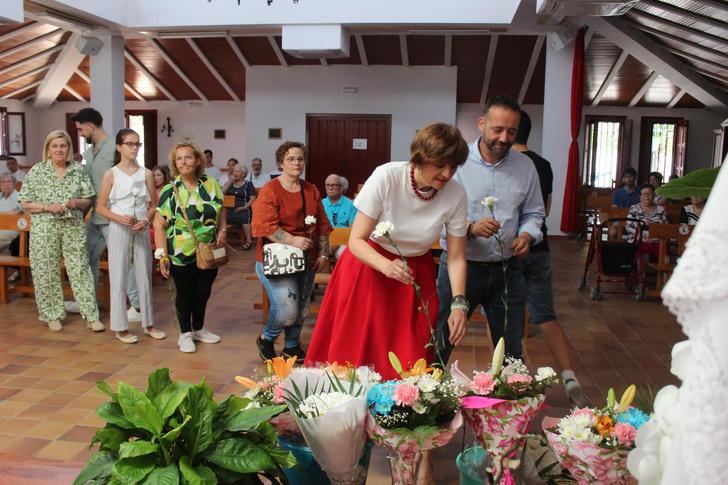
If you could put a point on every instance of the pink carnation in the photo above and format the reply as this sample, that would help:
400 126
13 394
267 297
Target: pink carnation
625 433
483 383
405 394
278 395
519 378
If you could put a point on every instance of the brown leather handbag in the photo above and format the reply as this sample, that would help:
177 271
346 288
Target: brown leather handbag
208 255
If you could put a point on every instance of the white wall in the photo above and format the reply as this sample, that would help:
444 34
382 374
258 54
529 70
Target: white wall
191 120
279 97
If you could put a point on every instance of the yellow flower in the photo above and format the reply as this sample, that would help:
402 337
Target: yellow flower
281 367
605 426
627 398
437 374
248 383
340 370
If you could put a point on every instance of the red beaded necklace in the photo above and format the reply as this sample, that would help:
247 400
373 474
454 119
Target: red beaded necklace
414 187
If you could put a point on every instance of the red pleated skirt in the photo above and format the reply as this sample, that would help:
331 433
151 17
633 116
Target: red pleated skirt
365 315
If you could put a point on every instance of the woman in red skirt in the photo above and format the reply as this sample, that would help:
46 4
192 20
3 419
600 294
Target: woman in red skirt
371 307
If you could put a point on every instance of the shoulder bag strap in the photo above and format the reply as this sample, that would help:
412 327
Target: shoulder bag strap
184 212
303 200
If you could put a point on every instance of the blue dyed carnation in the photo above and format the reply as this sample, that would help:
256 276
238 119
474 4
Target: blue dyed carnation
380 397
633 416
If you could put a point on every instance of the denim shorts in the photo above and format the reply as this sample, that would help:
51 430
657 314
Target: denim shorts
537 272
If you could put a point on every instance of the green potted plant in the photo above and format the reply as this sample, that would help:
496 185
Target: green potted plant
176 433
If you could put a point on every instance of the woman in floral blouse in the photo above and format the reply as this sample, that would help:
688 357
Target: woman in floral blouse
57 191
202 199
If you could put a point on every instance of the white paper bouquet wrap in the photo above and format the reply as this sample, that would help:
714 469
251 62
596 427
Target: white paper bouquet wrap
337 435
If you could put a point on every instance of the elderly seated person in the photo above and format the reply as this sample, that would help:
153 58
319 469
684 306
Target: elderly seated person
9 205
649 213
339 208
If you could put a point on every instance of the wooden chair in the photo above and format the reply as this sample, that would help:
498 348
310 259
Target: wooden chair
665 233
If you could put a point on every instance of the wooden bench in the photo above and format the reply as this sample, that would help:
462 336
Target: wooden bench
665 233
24 286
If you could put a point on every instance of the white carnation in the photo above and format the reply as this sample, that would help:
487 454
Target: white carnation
319 404
427 383
135 191
544 373
489 202
309 220
577 427
383 228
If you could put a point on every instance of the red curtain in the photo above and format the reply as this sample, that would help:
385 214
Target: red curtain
571 192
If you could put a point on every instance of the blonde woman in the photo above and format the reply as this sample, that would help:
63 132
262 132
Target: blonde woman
57 191
125 199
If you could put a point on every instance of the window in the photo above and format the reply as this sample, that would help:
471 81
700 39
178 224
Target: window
605 145
663 142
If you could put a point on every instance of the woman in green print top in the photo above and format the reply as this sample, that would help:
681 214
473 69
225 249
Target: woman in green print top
202 198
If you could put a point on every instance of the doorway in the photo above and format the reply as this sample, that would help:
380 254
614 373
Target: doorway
351 145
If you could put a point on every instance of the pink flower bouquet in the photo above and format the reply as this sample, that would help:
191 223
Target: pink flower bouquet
413 414
593 444
500 404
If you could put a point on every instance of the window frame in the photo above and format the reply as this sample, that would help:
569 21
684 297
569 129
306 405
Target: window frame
623 146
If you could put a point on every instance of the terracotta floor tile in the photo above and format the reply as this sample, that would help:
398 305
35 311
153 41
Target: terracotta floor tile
38 411
14 369
12 408
77 387
60 450
50 384
79 433
8 392
59 398
69 415
19 426
49 430
31 395
31 360
25 446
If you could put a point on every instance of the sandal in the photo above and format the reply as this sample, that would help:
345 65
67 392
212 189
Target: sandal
246 246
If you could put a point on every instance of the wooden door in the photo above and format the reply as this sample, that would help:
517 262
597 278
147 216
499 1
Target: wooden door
331 140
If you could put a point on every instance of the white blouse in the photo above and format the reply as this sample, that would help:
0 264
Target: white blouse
129 195
388 196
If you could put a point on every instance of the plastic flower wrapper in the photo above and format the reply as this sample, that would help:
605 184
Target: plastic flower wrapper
267 390
331 415
499 406
593 444
410 415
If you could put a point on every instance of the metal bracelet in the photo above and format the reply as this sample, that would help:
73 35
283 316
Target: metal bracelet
459 305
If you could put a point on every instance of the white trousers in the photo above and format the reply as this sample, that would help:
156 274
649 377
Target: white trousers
119 245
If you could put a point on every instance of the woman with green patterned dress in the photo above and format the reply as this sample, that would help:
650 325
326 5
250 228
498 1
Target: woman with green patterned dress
202 198
57 191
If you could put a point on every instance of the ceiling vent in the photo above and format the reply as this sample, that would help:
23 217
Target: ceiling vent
316 41
574 8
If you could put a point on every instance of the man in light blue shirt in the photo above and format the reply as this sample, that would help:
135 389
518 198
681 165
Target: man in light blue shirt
494 170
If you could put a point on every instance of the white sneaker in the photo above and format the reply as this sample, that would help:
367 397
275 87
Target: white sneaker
186 344
55 326
96 326
132 315
71 307
205 336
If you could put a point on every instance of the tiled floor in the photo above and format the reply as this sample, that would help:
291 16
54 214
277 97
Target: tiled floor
47 393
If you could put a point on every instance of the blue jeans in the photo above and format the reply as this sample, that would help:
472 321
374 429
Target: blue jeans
485 286
289 297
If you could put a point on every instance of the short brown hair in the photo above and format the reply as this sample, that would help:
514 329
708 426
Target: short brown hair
439 142
283 149
198 156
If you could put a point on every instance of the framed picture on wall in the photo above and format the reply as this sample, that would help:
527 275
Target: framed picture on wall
16 133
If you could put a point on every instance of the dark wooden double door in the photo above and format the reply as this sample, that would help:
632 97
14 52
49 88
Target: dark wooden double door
331 140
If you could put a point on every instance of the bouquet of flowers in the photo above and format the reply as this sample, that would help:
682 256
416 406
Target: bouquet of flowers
267 390
592 444
331 413
500 404
409 415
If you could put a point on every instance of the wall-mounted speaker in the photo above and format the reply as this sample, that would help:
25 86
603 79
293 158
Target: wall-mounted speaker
89 46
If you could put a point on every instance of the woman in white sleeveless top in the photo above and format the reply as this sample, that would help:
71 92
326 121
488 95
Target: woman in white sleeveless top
126 200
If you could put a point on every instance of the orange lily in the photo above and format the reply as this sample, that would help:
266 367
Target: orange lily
245 382
339 370
281 367
418 369
604 426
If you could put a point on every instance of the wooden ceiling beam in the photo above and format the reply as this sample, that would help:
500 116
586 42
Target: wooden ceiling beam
685 42
32 72
18 31
535 54
448 50
681 12
277 50
403 50
32 58
324 62
20 90
212 69
154 43
128 86
682 28
362 49
610 77
716 4
488 68
148 74
58 75
657 58
29 43
74 93
695 58
236 49
588 38
713 75
641 92
675 99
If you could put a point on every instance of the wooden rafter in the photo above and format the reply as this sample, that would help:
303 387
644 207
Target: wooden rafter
32 72
675 99
130 57
448 50
20 90
488 68
641 92
610 77
32 58
236 49
155 44
25 45
403 50
535 54
212 69
277 50
362 49
696 17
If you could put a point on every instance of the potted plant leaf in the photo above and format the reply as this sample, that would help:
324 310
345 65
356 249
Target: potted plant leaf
176 433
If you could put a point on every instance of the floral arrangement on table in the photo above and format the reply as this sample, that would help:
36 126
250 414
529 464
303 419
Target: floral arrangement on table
500 404
410 415
592 444
329 406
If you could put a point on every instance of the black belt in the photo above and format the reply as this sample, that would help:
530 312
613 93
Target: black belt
489 264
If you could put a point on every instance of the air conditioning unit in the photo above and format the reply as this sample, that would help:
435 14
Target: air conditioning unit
315 41
574 8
